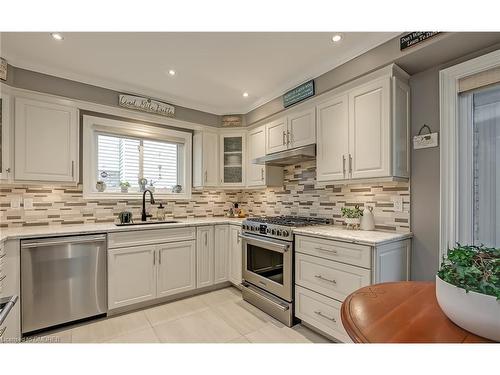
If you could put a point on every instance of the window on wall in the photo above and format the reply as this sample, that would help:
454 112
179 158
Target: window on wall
118 154
479 167
122 159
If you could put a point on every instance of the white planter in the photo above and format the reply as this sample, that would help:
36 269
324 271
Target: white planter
352 223
474 312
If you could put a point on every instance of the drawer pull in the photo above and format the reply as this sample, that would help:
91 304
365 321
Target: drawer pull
325 279
325 316
327 250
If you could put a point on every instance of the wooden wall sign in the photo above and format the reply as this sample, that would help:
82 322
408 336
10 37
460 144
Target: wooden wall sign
414 38
3 69
146 105
231 120
299 93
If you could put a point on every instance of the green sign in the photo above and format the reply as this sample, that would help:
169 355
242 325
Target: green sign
304 91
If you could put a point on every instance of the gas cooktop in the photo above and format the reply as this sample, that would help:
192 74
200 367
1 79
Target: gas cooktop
280 226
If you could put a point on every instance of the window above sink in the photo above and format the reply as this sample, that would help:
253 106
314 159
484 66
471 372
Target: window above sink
121 159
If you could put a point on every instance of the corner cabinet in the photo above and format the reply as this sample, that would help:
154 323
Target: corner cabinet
363 133
232 159
260 175
46 141
205 159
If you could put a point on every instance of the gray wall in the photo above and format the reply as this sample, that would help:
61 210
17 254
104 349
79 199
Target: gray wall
30 80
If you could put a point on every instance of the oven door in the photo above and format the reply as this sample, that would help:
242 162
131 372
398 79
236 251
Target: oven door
267 263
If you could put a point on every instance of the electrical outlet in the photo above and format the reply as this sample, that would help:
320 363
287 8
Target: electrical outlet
15 201
398 203
28 203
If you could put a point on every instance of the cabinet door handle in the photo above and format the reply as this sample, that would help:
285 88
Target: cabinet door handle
206 238
343 164
333 251
7 170
159 256
154 258
262 173
350 164
325 316
72 168
288 137
325 279
206 176
284 138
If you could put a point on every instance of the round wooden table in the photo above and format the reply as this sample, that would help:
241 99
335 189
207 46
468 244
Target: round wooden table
400 312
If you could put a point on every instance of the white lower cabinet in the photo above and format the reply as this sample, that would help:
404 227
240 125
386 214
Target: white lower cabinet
131 275
205 261
221 253
236 251
176 268
327 271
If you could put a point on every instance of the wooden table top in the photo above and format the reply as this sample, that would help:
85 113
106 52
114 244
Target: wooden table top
400 312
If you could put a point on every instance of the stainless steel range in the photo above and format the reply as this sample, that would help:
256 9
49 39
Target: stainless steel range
268 263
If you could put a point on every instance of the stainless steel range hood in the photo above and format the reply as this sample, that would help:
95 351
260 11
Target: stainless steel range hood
288 157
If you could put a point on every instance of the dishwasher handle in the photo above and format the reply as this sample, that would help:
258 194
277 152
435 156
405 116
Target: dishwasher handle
62 241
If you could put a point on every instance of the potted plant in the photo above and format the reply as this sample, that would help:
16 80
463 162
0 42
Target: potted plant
124 185
468 289
352 216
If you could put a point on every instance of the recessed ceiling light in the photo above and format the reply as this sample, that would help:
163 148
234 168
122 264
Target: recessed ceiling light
57 36
337 38
245 94
171 72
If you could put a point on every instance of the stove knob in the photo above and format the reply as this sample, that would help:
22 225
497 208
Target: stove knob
255 229
244 227
279 232
286 233
273 232
268 231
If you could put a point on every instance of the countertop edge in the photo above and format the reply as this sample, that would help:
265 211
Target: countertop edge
398 237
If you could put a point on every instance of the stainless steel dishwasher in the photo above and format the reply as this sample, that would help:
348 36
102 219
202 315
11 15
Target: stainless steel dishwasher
63 279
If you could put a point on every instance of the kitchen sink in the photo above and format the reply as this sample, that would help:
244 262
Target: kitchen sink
146 223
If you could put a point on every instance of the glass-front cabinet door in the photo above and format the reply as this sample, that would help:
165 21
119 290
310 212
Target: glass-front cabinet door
5 167
233 159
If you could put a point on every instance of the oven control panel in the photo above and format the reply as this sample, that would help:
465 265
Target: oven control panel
268 230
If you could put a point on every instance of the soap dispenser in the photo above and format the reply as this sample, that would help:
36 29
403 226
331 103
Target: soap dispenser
160 213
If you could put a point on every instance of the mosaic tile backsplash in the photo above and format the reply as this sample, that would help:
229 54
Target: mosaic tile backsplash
62 205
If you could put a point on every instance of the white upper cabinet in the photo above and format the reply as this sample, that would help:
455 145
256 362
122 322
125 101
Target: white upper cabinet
369 128
332 148
5 136
205 159
257 174
46 141
363 132
276 136
301 128
295 130
232 158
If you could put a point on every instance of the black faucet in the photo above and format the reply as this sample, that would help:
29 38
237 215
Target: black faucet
144 216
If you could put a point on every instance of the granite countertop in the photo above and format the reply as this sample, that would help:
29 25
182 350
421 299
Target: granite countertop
64 230
365 237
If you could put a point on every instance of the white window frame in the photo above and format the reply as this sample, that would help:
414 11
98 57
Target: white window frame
93 125
450 229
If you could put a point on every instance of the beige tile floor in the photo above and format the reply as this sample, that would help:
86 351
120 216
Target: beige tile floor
216 317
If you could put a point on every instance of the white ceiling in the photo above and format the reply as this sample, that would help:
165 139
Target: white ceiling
213 69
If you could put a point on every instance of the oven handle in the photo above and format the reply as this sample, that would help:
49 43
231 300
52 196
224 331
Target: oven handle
271 245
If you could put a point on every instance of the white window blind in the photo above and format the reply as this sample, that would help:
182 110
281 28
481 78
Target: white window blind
127 159
160 163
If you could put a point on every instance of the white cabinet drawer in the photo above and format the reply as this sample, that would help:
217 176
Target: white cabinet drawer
350 253
320 312
150 236
332 279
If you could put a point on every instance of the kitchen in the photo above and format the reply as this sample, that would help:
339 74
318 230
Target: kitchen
311 206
